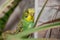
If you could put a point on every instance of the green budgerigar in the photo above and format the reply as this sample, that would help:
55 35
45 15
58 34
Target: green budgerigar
27 20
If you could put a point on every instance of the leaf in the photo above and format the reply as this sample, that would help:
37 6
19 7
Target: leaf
7 14
29 31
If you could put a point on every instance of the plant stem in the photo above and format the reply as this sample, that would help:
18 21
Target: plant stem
40 13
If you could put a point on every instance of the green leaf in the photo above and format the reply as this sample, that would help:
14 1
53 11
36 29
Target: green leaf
7 14
29 31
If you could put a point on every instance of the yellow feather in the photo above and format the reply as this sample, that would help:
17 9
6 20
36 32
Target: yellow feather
30 16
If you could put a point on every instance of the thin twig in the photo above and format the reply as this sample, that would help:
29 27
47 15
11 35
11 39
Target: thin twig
40 13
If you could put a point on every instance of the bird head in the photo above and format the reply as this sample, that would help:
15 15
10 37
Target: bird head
29 14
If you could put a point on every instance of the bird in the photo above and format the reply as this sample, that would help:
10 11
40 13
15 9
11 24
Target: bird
27 20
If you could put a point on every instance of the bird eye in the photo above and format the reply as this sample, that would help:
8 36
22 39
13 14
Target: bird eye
25 16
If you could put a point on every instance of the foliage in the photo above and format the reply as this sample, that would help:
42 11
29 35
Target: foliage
5 18
29 31
21 35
